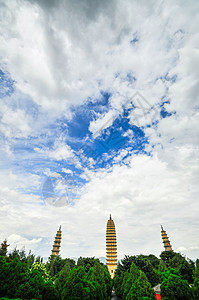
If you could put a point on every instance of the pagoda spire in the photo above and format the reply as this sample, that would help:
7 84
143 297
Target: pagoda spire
111 247
166 242
57 243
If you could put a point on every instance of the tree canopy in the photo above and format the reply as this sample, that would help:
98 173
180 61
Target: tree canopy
26 277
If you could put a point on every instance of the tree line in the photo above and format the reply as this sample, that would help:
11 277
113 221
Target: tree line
136 275
27 277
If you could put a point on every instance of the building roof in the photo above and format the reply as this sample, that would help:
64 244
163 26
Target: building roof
157 289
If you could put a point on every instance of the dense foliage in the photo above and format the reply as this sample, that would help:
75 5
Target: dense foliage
132 284
178 276
27 277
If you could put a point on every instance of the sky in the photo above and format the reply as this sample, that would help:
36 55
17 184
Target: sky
99 114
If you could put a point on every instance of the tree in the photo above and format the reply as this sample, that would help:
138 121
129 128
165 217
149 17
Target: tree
174 288
3 248
143 263
56 263
78 287
186 270
120 279
12 275
101 275
32 287
30 258
3 298
87 262
167 256
16 253
153 260
137 285
126 263
166 275
196 271
196 281
62 277
141 289
41 268
18 281
49 291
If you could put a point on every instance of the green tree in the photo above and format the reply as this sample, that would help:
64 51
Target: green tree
196 288
42 269
16 253
87 262
137 285
141 289
32 287
62 277
162 266
186 270
50 292
196 271
174 288
78 287
12 275
30 258
56 263
3 298
120 279
153 260
196 281
185 267
101 275
18 281
144 264
167 256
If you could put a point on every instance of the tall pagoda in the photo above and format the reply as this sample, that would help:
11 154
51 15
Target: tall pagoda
57 243
166 242
111 247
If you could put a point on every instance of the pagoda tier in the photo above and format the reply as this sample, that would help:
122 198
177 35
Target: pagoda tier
165 239
111 247
57 243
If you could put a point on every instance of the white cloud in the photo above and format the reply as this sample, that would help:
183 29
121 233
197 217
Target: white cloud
15 123
106 120
181 249
19 242
59 151
61 55
67 171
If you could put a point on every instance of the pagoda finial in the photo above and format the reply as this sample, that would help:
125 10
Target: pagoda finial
110 217
60 228
162 228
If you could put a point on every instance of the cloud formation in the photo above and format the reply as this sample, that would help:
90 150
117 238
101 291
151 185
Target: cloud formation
70 75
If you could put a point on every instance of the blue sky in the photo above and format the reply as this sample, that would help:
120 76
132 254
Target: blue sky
99 116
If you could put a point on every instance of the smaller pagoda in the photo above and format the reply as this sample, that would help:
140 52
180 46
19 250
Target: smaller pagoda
57 243
166 242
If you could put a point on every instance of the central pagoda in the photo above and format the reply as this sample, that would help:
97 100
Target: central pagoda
111 247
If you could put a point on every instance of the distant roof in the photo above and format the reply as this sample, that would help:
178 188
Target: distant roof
157 288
